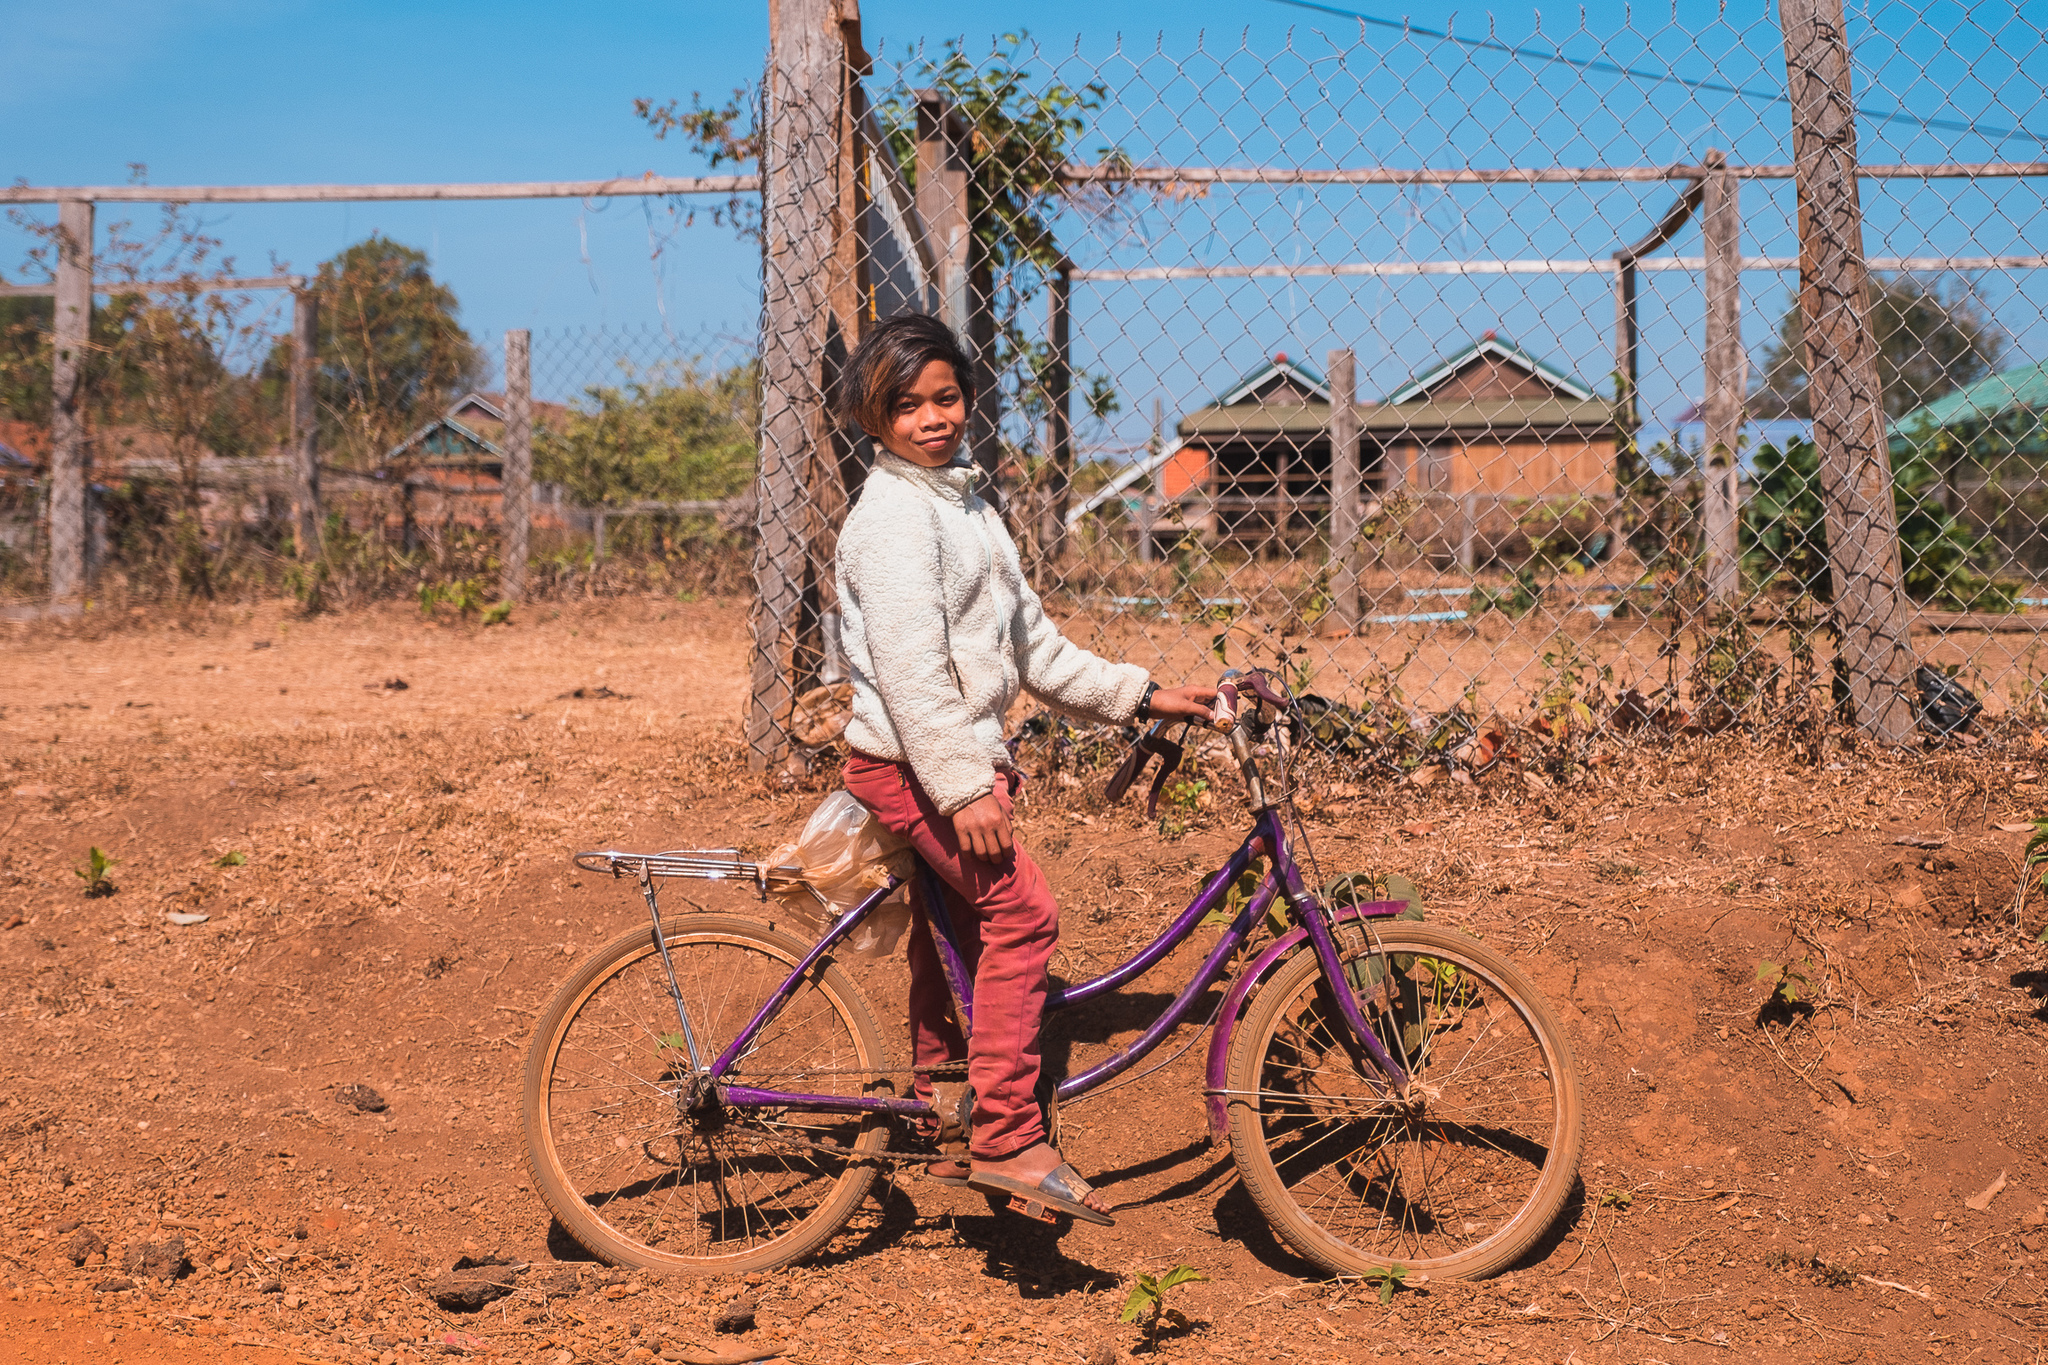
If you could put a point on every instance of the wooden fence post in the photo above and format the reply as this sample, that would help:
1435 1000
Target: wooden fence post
1842 375
305 450
1148 487
517 480
72 333
799 201
1720 462
945 152
1344 489
1059 416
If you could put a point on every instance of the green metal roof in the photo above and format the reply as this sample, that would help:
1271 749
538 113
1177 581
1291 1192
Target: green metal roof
1498 417
2022 390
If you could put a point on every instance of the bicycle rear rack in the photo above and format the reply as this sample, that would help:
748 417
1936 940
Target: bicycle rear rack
709 864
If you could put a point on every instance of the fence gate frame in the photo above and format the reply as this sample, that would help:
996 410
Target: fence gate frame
74 288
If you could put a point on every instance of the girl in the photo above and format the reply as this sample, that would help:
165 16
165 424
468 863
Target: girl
941 632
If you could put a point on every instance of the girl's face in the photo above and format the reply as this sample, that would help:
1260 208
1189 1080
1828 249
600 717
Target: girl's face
927 419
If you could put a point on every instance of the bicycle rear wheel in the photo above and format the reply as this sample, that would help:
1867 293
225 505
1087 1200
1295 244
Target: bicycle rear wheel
1457 1183
640 1177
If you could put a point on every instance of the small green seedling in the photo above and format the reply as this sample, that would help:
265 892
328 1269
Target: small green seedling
94 873
1788 981
1620 1200
498 614
232 858
1386 1280
1148 1299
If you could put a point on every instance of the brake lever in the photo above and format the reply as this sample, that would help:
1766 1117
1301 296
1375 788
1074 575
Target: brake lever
1152 742
1133 764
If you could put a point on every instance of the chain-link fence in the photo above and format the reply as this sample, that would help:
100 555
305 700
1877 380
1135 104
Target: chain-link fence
1456 371
642 436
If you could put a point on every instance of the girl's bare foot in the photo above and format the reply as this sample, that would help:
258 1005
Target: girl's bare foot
1033 1165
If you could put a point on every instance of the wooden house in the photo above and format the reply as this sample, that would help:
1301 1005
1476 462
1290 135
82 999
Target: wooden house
1493 419
452 469
1489 421
1254 466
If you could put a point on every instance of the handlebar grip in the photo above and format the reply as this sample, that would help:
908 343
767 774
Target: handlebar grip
1223 711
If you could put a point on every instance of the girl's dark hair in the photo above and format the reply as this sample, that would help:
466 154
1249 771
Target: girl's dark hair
889 360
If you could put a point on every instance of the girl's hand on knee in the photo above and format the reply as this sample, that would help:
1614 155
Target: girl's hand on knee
983 828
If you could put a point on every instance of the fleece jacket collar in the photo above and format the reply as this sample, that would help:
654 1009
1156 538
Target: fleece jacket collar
956 482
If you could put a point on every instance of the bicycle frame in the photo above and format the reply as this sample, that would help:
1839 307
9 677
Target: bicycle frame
1282 881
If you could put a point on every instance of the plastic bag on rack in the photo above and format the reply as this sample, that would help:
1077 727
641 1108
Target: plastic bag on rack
846 853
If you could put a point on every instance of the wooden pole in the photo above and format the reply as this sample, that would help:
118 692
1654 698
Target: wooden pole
942 199
305 445
1720 464
944 165
518 474
799 199
1626 365
1345 489
1059 420
72 334
1148 486
1841 365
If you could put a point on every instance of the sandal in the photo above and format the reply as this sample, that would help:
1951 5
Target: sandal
1061 1191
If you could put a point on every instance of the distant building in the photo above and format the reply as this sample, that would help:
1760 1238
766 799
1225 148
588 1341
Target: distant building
2000 416
1489 419
459 450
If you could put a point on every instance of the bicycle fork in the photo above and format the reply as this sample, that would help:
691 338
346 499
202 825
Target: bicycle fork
1321 929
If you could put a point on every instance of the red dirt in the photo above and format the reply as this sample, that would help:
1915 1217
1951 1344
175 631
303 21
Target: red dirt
405 907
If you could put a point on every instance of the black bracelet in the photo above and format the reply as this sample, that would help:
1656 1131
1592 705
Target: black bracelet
1145 702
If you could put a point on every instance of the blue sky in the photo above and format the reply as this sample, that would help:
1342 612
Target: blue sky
235 91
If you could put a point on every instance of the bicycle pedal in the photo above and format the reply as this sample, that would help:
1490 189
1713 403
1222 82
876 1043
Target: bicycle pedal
1031 1208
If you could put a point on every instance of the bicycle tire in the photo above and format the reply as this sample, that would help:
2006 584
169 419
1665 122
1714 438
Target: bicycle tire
1459 1190
601 1108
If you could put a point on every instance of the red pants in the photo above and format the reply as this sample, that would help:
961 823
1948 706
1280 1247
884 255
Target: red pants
1008 924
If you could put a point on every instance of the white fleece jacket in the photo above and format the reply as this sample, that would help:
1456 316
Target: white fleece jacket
941 631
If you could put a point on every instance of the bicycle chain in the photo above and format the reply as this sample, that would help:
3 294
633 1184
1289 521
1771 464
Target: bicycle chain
882 1158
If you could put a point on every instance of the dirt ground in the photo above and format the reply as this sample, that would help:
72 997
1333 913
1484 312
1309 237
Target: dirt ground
383 870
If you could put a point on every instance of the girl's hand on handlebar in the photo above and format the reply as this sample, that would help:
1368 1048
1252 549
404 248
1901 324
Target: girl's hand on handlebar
983 829
1182 703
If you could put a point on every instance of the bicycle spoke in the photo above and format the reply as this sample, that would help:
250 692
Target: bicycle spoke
1417 1179
674 1176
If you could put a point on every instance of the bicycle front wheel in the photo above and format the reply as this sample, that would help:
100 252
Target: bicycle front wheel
643 1176
1455 1182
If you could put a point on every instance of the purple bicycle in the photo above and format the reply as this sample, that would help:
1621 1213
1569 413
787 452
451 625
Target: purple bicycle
710 1095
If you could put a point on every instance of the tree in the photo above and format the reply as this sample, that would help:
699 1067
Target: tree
391 352
1932 339
1785 540
1024 128
671 438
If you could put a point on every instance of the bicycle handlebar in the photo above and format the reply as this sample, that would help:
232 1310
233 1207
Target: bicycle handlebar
1234 691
